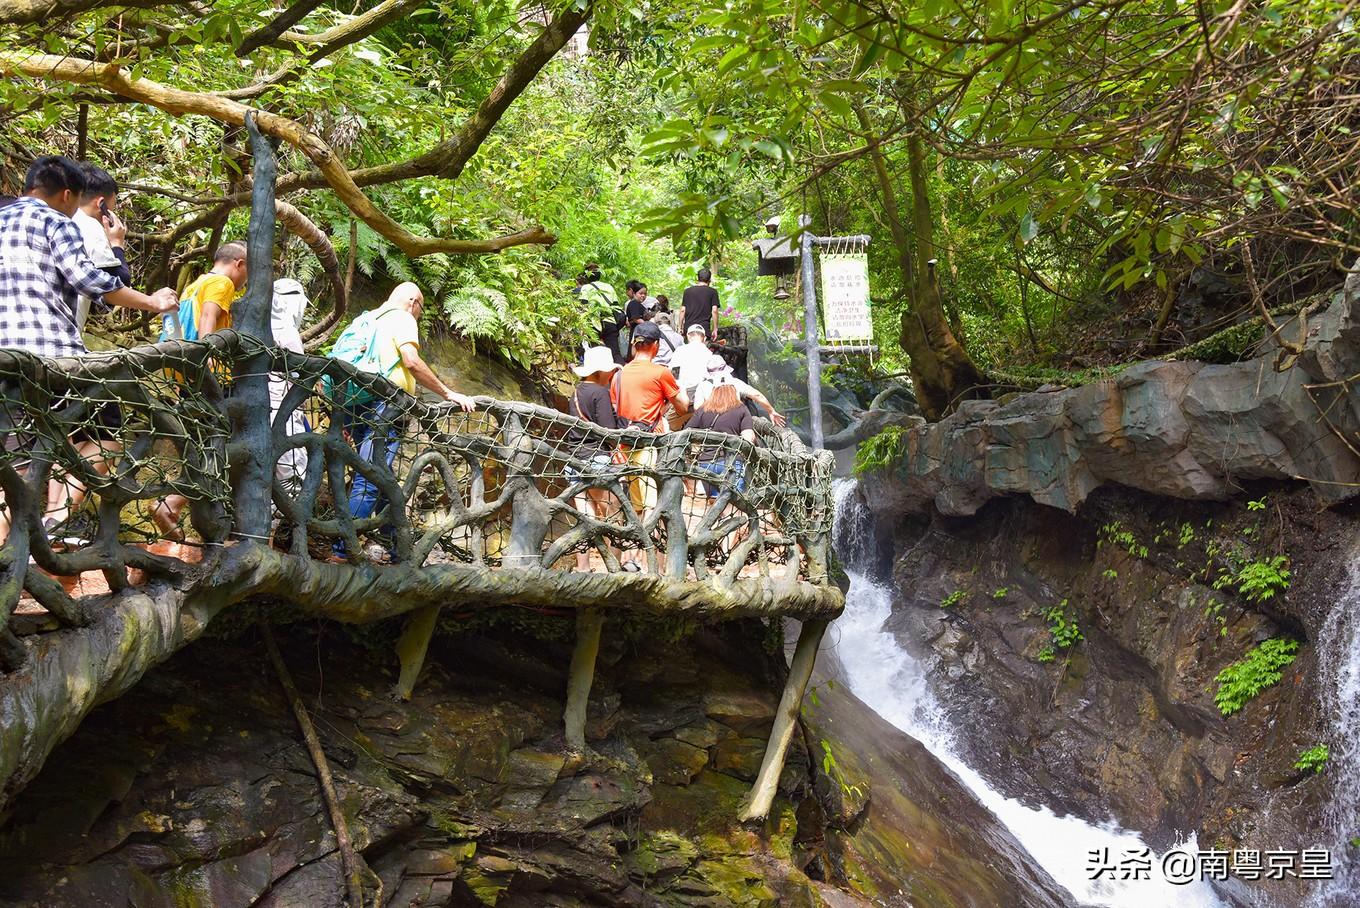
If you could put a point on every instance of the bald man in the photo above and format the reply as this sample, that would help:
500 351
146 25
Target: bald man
397 339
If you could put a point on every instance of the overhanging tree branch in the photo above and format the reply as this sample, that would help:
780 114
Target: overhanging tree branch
302 227
448 158
352 30
327 43
26 12
335 175
269 33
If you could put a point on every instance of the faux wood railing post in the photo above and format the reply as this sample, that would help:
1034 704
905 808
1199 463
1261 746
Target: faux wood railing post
529 514
581 676
670 502
250 396
762 794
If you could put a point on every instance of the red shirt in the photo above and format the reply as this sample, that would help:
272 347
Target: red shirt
642 390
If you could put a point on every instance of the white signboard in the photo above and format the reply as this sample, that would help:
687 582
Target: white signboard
845 296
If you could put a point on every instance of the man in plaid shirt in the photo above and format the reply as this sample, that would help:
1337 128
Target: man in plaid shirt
43 271
44 268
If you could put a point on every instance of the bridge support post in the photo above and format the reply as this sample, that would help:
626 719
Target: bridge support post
758 802
818 560
589 623
411 648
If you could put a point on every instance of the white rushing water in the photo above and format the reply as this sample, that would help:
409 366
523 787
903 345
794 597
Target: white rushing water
893 683
1338 647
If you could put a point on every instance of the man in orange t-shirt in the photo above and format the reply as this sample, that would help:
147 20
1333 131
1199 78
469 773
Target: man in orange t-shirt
641 392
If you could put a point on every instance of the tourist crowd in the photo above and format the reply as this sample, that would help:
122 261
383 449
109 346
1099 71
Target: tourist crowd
62 255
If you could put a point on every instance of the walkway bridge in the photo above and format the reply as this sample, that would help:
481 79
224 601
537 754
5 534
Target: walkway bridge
482 509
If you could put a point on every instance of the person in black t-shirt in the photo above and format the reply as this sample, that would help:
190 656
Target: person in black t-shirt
590 401
700 304
635 312
723 412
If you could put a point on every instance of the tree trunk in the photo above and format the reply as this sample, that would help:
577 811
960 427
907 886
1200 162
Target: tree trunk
949 374
941 370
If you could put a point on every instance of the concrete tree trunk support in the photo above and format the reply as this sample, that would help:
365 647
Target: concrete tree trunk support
249 402
589 623
762 794
69 672
411 648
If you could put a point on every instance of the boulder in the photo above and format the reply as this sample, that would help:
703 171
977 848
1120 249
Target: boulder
1180 429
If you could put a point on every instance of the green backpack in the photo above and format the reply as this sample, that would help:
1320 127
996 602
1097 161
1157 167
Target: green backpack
358 346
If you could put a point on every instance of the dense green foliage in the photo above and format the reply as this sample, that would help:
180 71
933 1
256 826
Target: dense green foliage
1258 580
1071 169
1313 759
564 156
1259 669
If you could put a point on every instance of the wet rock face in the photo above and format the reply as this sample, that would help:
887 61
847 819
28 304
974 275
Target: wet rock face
882 806
1181 429
195 788
1122 724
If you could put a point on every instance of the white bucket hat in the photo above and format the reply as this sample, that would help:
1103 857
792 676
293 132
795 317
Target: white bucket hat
596 359
718 367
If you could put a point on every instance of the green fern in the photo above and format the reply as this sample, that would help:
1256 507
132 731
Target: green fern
1259 669
477 313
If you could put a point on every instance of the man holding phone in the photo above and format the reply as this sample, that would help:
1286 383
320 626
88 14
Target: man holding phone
101 229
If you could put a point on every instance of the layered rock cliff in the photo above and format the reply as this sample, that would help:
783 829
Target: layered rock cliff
1073 568
1180 429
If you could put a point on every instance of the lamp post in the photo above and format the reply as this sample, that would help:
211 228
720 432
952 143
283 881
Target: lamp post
810 332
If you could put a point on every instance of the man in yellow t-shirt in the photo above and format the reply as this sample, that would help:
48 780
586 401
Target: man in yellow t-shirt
212 294
211 297
370 424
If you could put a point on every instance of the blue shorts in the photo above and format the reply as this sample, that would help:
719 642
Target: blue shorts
736 469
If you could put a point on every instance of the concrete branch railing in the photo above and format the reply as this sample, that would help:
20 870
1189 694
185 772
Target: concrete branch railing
477 510
506 486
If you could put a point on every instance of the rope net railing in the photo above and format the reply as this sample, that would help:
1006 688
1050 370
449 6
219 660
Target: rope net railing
363 472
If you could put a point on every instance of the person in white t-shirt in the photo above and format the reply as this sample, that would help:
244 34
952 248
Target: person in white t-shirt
286 311
691 360
720 373
101 229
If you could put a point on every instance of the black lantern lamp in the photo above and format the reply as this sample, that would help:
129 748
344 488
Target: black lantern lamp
778 258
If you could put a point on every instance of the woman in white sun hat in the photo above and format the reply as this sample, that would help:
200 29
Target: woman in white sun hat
590 402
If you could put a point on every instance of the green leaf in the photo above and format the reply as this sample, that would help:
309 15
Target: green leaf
770 149
871 54
836 105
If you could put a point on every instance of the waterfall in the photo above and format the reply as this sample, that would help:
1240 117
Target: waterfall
894 684
1338 649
